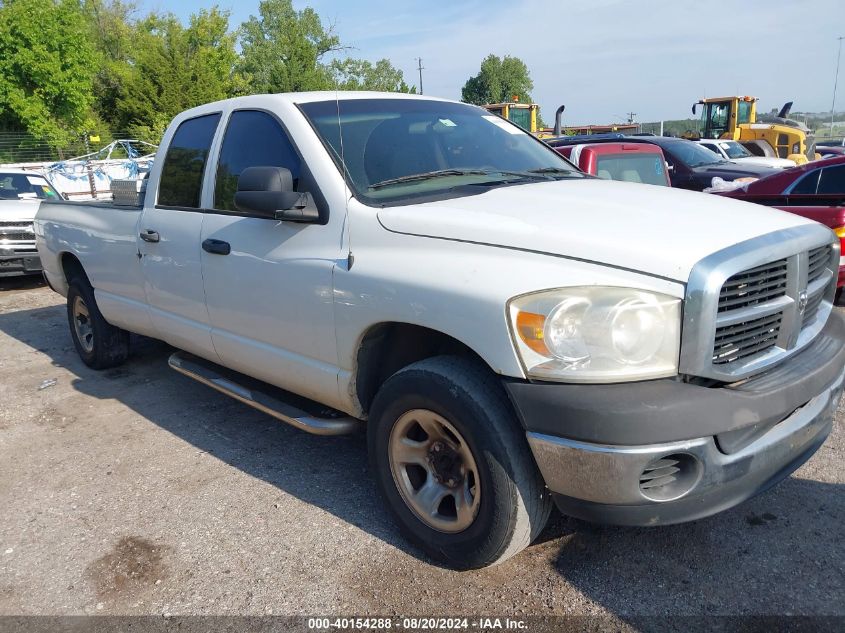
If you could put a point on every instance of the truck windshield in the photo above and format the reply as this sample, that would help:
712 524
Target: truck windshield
734 149
14 186
396 149
692 154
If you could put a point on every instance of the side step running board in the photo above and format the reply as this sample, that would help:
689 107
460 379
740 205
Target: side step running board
212 375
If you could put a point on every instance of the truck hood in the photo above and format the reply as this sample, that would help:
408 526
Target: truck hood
766 161
18 210
654 230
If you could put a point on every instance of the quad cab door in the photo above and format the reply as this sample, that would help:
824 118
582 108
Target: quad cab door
268 284
169 239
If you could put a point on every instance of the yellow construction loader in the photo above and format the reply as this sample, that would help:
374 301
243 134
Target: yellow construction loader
736 118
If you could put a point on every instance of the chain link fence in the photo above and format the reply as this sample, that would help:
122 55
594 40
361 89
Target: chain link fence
21 147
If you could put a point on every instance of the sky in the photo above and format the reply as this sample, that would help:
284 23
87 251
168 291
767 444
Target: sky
601 58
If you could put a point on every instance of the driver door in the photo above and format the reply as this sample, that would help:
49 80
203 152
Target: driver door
269 298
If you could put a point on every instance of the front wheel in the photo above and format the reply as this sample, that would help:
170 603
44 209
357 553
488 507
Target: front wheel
100 345
453 463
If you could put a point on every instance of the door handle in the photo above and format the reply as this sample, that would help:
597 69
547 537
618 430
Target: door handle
216 247
150 236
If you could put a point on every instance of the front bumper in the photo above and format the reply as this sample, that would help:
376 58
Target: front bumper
715 446
23 263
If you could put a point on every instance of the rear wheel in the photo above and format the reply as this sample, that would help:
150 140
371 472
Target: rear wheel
100 345
453 463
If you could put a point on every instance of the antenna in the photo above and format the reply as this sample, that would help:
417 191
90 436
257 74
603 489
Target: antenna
420 68
350 258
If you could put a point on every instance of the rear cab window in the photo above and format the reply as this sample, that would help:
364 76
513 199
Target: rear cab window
644 168
185 161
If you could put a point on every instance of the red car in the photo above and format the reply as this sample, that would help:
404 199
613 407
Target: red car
815 190
631 162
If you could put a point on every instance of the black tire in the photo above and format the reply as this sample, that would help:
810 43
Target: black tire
107 346
837 300
514 504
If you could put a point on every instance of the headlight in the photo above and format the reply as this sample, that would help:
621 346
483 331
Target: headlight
597 334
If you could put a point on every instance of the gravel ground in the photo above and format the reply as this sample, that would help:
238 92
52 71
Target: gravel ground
139 491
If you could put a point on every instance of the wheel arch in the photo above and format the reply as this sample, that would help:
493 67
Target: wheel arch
72 268
387 347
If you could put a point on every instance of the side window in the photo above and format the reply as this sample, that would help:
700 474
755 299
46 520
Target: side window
744 115
832 180
807 184
252 139
184 164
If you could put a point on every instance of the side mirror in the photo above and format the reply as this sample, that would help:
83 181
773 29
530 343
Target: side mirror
267 192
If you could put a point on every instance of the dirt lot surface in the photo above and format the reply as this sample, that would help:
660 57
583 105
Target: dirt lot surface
139 491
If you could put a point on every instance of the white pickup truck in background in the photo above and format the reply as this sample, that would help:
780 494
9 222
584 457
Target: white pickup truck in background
21 192
509 331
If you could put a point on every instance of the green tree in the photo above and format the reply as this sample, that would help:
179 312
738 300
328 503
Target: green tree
48 68
499 80
173 68
359 74
112 27
282 49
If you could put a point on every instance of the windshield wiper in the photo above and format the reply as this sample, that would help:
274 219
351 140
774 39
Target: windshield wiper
429 175
542 173
552 170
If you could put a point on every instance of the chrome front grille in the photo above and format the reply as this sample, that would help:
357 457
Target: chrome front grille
818 260
735 342
753 286
756 303
16 236
16 230
812 309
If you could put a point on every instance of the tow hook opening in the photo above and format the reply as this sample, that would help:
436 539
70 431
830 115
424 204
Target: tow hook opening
670 477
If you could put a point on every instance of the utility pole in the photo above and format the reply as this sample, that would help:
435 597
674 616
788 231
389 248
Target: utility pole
631 116
420 69
835 81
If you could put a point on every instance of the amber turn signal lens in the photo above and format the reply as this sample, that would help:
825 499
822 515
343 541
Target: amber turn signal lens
840 232
530 327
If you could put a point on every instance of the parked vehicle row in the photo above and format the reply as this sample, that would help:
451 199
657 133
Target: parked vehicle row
509 331
690 165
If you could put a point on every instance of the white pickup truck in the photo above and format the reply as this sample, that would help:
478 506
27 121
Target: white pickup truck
509 331
20 194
